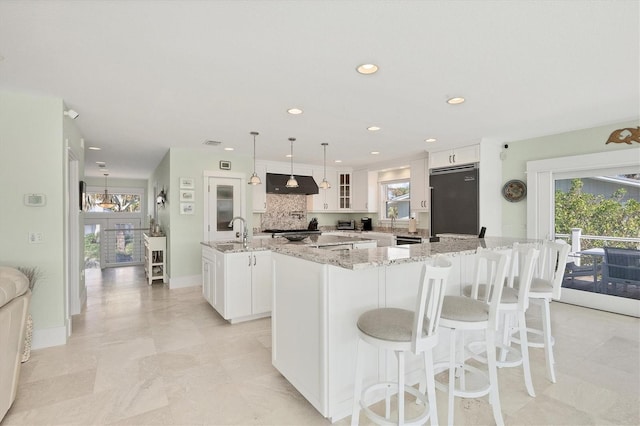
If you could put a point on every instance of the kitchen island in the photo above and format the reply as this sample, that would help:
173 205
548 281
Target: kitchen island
319 294
318 297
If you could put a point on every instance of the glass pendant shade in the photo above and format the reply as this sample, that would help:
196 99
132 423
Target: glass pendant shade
107 201
254 179
324 184
292 182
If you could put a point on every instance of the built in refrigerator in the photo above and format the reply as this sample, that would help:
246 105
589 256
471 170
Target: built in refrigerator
454 200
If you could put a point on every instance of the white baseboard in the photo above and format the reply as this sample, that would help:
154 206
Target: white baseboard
47 337
186 281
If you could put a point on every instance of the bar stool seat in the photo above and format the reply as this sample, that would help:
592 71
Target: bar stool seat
403 331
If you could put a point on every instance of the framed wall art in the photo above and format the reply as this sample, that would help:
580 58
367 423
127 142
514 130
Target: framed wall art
187 195
187 208
187 183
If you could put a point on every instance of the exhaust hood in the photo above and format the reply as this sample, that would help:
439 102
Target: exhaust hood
277 184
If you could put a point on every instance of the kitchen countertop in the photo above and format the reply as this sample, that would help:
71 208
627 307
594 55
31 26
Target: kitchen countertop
366 258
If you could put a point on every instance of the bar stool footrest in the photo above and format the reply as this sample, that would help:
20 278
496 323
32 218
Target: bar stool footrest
378 419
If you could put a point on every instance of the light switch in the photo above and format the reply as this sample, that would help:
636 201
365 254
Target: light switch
35 237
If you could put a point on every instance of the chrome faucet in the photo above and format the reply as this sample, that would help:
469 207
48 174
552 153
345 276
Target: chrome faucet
245 232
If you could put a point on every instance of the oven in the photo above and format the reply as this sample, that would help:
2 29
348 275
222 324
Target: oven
406 239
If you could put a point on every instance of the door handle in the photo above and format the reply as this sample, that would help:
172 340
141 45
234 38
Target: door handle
449 159
454 158
254 260
249 261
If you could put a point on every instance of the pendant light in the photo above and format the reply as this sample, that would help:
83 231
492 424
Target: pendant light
107 201
324 184
254 179
292 182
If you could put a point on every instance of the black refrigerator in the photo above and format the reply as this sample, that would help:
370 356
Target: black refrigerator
454 200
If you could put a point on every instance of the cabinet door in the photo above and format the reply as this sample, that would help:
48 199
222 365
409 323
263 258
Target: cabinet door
419 185
238 284
208 279
364 189
326 199
261 275
218 285
260 191
440 159
467 154
344 191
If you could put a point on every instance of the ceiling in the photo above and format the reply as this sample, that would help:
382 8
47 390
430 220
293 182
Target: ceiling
148 76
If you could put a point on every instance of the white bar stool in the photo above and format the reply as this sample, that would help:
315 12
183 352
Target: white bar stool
401 331
513 306
478 312
546 285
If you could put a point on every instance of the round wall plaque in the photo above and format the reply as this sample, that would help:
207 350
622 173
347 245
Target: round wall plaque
515 190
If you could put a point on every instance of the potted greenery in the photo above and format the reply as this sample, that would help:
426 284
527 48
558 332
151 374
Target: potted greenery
33 274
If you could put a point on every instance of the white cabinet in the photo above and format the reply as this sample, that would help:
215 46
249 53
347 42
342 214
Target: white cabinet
155 267
325 200
365 245
260 191
208 275
364 191
464 155
344 190
239 287
420 191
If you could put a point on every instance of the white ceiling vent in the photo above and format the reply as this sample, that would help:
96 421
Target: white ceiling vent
212 143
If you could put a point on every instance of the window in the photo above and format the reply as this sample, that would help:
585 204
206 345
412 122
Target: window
396 199
126 201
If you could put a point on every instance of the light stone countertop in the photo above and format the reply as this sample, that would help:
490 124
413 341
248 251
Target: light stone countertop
367 258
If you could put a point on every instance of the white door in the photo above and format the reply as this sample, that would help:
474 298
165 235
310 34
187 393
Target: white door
225 203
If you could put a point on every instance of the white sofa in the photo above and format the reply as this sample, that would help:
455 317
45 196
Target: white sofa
14 307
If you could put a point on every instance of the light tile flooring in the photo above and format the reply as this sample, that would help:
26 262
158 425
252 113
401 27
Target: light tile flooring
143 355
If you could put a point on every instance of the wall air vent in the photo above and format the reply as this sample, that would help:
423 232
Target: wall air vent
212 142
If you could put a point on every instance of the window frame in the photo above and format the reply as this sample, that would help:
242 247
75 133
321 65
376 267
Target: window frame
382 205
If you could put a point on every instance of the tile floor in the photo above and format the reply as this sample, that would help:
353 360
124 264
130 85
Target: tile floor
142 355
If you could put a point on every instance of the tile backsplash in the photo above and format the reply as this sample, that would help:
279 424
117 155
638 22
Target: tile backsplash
285 211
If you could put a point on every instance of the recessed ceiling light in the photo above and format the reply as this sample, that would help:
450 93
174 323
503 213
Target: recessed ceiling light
294 111
228 148
430 140
367 69
337 161
375 152
288 155
373 128
455 101
95 148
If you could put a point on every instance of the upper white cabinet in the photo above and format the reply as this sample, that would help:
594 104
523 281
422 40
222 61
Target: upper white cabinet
260 191
325 200
364 191
420 190
344 190
464 155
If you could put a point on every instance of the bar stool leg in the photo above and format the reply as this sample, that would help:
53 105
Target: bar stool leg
401 379
494 395
452 375
431 387
357 389
546 332
524 349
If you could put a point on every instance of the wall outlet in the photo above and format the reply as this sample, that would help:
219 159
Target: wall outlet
35 237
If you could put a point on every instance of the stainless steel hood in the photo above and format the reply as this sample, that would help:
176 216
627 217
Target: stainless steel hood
277 184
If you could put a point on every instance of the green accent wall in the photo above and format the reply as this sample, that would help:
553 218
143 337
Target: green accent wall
34 140
585 141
